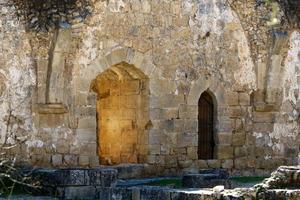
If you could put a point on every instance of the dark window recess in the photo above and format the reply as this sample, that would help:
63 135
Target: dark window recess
205 127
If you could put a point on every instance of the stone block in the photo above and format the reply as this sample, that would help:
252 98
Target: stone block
263 117
225 125
224 138
202 164
57 160
191 125
184 163
154 139
86 135
187 140
214 163
94 161
240 163
88 149
171 113
87 123
238 138
192 153
171 161
188 111
244 99
151 159
263 127
240 152
179 125
154 149
62 146
224 152
70 160
235 111
227 164
83 161
232 98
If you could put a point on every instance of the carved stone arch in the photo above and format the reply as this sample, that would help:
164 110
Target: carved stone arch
214 87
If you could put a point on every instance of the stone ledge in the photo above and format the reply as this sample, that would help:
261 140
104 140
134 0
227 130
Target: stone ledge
52 109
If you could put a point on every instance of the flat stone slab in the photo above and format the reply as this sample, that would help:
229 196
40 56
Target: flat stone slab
76 177
206 179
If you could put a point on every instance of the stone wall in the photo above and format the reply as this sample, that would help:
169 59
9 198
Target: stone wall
183 47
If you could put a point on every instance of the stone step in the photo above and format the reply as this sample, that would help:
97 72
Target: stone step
76 177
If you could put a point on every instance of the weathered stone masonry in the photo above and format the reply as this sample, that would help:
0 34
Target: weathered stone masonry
182 48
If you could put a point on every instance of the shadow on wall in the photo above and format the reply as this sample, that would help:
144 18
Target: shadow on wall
43 15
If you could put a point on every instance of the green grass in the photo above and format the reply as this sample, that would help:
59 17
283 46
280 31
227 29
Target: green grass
177 183
248 179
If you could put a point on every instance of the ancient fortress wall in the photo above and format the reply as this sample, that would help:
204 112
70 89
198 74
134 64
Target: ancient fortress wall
157 57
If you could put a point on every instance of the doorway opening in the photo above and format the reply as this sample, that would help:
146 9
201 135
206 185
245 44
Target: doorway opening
122 114
206 143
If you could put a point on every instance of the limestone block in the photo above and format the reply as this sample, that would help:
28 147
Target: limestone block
154 149
188 111
187 140
227 164
192 153
191 125
166 101
83 160
70 160
81 98
263 127
62 146
224 152
171 113
240 152
251 162
171 161
225 125
239 125
87 123
167 125
151 159
154 139
94 161
88 149
127 113
236 111
116 56
179 125
131 87
224 138
202 164
63 41
86 135
185 163
57 160
41 160
232 98
244 99
263 117
238 138
240 163
214 163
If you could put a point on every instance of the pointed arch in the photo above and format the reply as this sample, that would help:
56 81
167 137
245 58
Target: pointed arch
206 126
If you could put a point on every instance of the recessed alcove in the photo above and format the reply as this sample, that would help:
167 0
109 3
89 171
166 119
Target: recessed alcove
122 114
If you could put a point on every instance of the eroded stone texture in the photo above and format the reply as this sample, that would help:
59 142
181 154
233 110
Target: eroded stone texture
184 48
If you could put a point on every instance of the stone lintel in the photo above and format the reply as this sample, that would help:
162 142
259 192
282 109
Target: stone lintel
52 109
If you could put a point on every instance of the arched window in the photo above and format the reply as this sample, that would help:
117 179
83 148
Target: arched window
205 127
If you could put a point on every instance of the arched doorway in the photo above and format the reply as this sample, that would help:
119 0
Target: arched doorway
206 142
122 114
